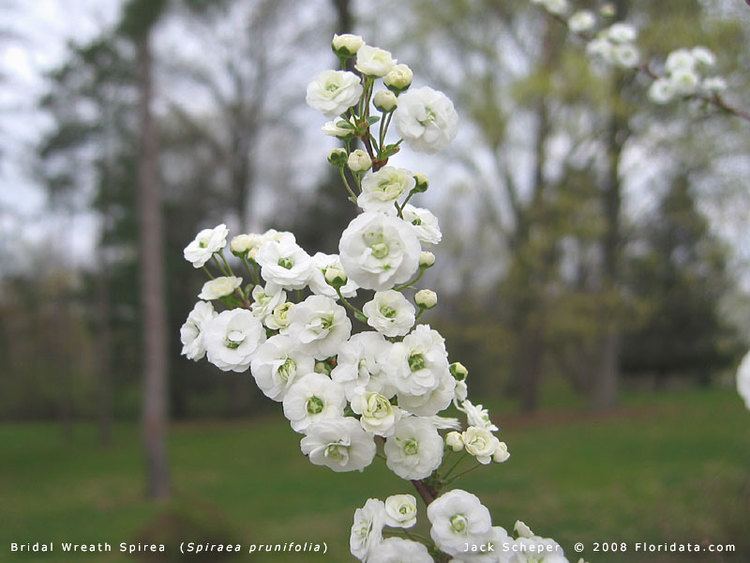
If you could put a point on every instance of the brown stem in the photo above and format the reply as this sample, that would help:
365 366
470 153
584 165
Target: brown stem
425 491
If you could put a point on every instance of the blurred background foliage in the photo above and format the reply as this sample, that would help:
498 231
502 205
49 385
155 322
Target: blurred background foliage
595 245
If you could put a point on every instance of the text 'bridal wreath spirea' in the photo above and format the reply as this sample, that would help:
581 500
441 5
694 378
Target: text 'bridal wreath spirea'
360 383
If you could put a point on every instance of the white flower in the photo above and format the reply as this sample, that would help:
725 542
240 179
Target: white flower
420 361
359 161
401 511
431 402
703 56
540 549
622 33
367 529
277 364
685 81
320 325
461 391
681 59
219 287
743 380
385 100
454 441
191 333
359 368
522 530
335 129
378 415
399 77
373 61
246 244
339 444
426 119
311 398
231 338
347 43
458 518
379 251
481 443
714 84
557 7
601 48
266 299
581 21
477 415
384 188
425 223
425 298
205 244
318 284
415 449
444 422
333 92
626 55
284 263
661 91
279 318
390 313
399 550
501 454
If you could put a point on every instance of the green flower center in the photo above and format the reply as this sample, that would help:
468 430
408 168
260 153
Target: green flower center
380 250
286 263
388 312
416 362
429 116
411 447
459 523
332 87
315 405
287 369
234 339
416 221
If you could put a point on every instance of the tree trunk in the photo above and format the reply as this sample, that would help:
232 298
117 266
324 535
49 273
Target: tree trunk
104 356
530 314
155 360
605 387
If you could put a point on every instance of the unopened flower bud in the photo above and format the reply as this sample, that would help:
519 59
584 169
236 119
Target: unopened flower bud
322 367
359 161
385 100
501 454
399 78
422 182
335 276
458 371
454 441
346 44
426 298
426 259
337 156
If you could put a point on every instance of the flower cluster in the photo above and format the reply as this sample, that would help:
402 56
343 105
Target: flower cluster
614 45
357 383
460 526
683 76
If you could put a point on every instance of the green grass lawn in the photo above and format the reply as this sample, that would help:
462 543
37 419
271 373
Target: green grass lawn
674 467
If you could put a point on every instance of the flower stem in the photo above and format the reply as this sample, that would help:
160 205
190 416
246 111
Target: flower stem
459 475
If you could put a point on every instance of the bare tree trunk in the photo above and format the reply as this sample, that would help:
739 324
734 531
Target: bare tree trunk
605 388
530 315
104 357
156 362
